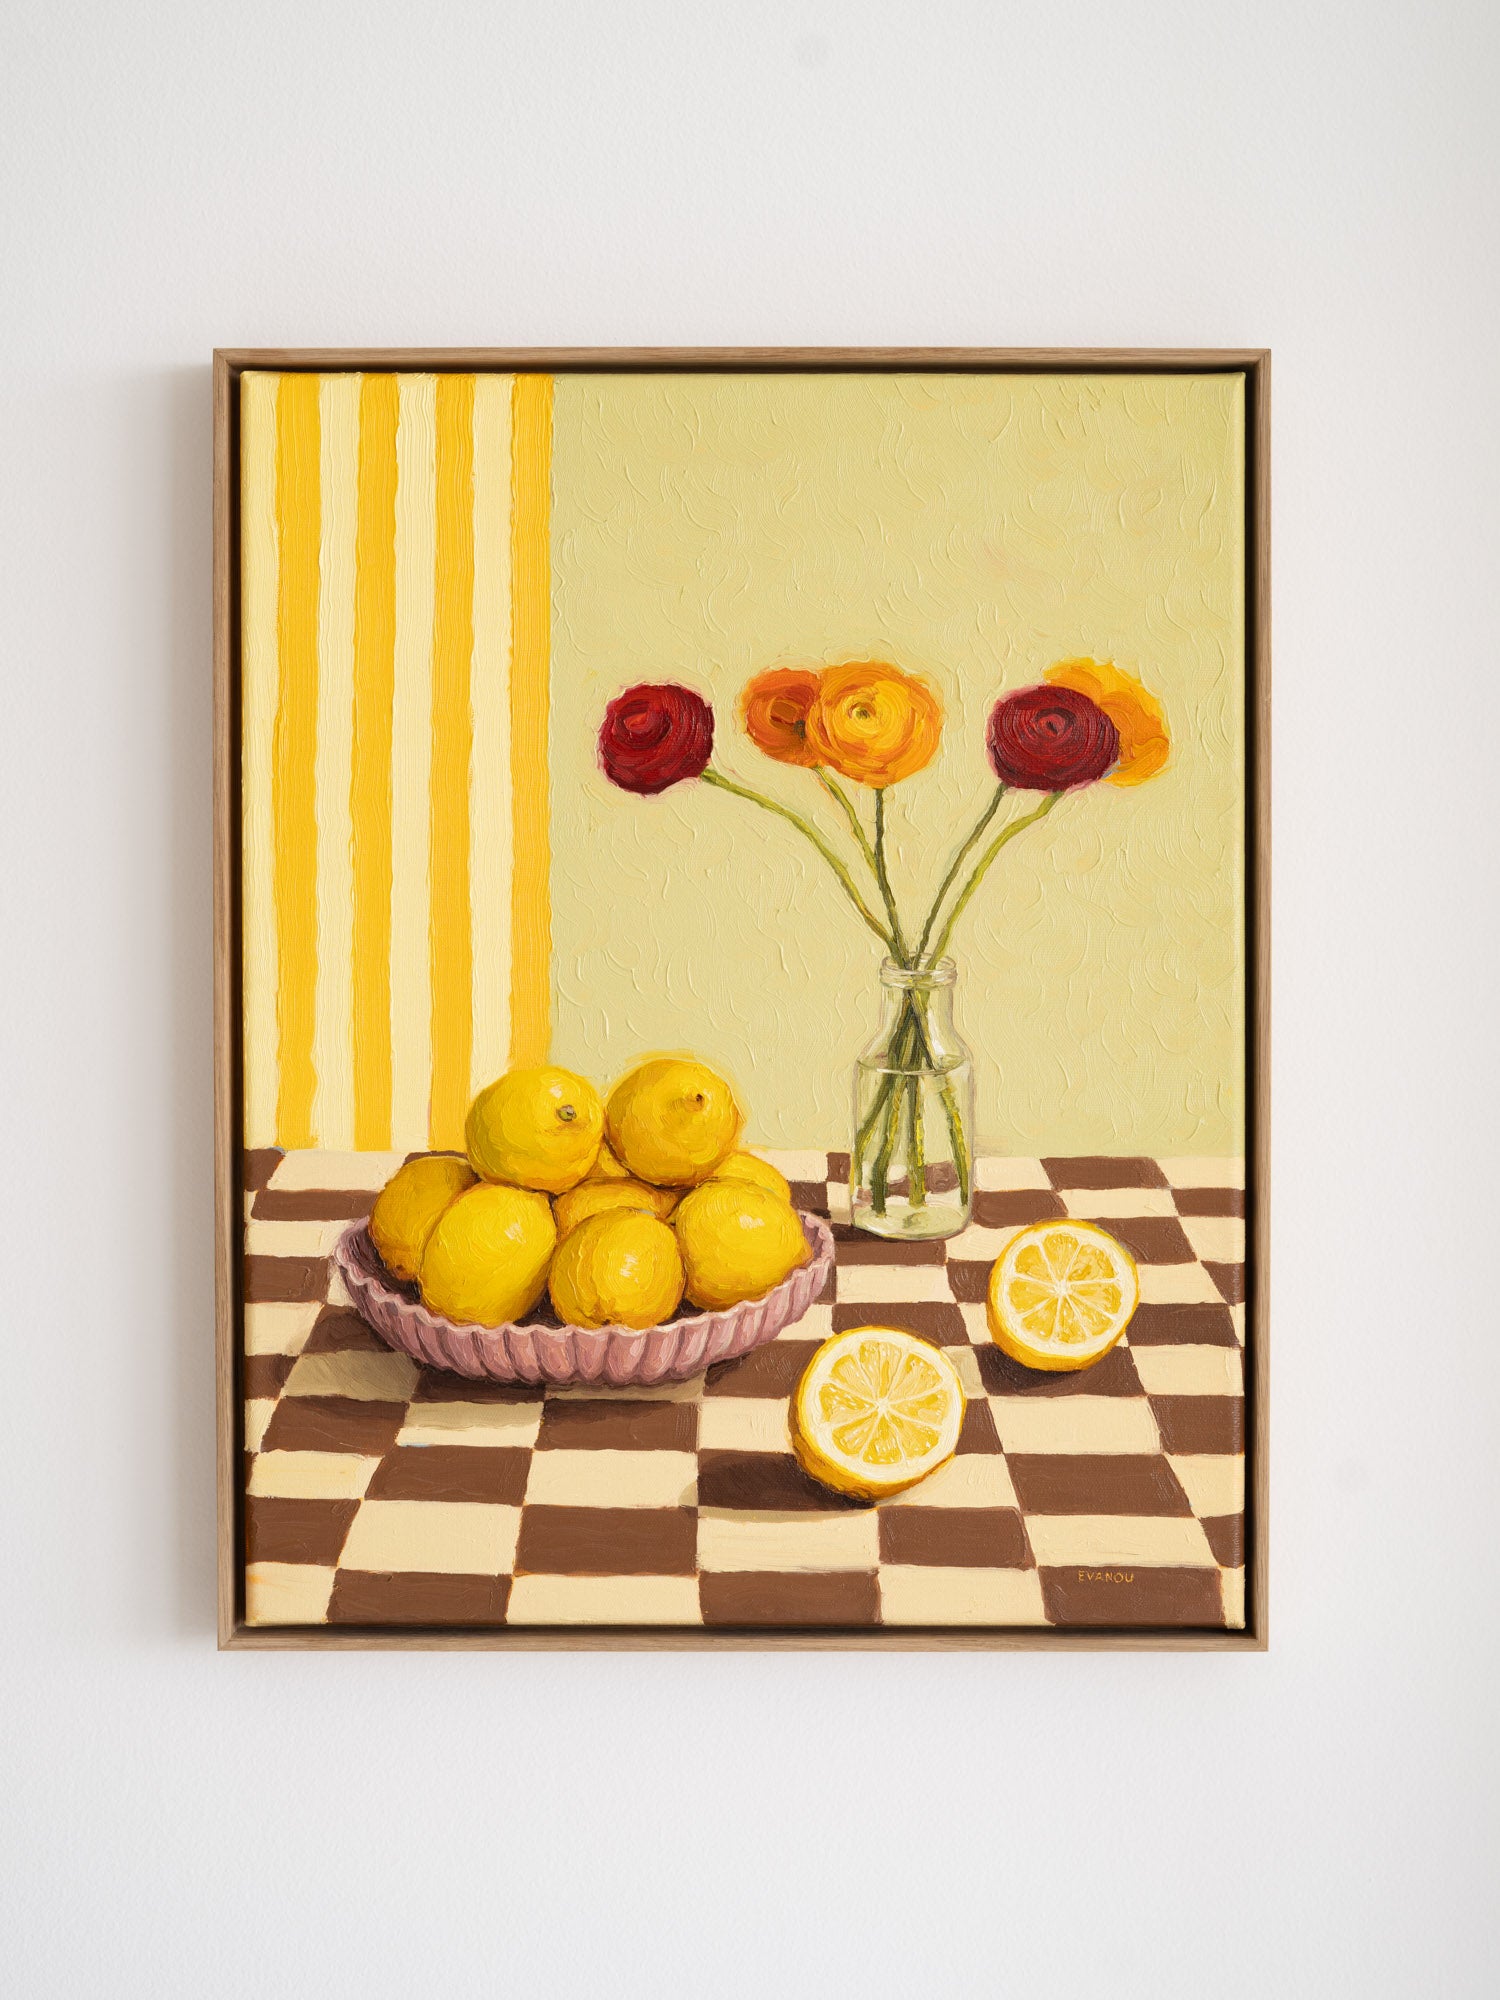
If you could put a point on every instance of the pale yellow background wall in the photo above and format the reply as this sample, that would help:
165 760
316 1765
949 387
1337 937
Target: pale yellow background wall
973 529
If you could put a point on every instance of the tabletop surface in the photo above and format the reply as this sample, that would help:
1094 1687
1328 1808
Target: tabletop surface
379 1493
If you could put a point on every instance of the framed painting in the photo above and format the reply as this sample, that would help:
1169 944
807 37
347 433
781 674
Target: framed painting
741 909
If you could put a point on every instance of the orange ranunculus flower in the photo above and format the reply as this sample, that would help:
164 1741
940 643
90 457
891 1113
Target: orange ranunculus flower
774 707
1145 742
873 723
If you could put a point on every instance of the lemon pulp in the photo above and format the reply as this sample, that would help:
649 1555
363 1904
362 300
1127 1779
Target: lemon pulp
1061 1294
876 1410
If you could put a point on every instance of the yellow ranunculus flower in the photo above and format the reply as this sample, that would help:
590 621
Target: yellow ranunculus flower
873 723
1137 715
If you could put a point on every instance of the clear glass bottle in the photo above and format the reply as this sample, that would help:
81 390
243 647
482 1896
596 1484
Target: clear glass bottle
911 1164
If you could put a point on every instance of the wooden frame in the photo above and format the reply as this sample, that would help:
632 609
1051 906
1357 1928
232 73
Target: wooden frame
228 1193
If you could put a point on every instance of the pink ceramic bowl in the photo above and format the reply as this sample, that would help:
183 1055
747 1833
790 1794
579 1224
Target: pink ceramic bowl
539 1349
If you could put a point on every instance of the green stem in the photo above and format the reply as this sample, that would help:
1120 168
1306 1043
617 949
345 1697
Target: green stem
907 1031
908 1044
957 1139
898 1050
916 1144
958 861
1016 826
811 832
847 807
862 1136
898 942
880 1173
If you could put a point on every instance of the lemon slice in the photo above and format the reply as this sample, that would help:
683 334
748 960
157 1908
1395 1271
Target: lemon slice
876 1410
1061 1294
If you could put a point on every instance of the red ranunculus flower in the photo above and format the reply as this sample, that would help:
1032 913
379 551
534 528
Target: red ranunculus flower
1050 739
653 736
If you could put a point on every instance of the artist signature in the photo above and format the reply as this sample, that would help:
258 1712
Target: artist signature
1106 1576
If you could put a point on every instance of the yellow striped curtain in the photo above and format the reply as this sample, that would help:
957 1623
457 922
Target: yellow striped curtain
395 587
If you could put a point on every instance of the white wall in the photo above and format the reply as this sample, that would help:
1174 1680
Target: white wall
1321 178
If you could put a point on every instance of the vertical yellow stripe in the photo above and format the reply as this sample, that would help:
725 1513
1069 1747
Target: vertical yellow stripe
294 797
489 780
531 639
449 942
333 1106
411 742
370 764
258 565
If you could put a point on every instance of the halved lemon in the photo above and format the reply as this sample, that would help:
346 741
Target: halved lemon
876 1410
1061 1294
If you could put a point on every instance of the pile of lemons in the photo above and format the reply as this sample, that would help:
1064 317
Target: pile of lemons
619 1207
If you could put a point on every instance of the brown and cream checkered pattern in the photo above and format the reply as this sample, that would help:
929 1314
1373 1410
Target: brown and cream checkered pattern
380 1493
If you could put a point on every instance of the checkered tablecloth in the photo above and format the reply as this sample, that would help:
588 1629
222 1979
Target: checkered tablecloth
380 1493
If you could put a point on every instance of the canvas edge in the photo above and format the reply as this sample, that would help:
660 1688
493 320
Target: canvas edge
1258 849
615 360
228 364
227 1105
742 1639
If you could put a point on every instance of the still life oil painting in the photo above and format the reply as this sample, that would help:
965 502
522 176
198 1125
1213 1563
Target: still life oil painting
745 983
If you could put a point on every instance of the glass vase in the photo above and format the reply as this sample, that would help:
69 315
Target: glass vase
911 1165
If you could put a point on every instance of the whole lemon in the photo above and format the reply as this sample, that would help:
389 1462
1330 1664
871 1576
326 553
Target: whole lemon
672 1121
536 1128
621 1268
593 1197
737 1241
487 1257
759 1173
408 1206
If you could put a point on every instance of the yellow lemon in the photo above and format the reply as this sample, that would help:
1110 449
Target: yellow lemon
737 1241
607 1167
876 1410
672 1121
410 1203
536 1128
487 1257
760 1173
621 1268
1060 1295
593 1197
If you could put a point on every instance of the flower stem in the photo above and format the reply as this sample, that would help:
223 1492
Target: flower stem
880 1173
847 807
916 1145
899 1048
957 1139
958 861
912 1063
806 828
1009 833
862 1136
898 942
